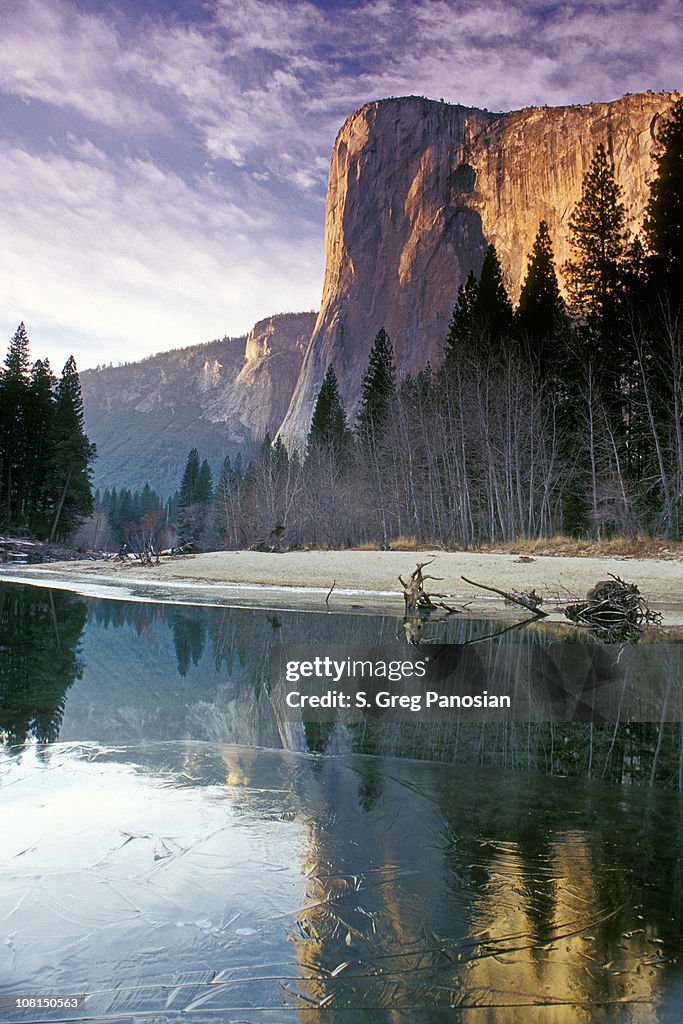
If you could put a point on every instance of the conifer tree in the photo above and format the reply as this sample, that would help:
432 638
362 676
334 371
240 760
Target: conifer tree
482 315
541 307
13 397
126 512
280 457
493 306
224 484
598 243
461 328
194 499
664 213
111 504
378 390
204 489
329 430
187 496
149 500
40 415
188 484
18 360
70 455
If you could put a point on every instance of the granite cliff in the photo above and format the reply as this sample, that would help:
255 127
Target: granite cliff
218 397
418 189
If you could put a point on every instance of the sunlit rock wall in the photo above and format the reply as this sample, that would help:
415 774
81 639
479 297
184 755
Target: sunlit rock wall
418 189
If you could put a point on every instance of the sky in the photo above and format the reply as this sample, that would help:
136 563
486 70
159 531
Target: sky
163 163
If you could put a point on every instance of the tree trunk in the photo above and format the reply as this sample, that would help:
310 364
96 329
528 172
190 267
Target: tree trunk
60 506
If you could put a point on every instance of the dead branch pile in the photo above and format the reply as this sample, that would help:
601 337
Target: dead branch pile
614 607
274 543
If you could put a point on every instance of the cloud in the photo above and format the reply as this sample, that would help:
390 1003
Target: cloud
48 52
165 182
133 260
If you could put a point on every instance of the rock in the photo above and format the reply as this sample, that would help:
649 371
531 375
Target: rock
219 397
417 190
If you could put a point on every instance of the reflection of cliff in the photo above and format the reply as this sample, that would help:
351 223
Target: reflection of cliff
40 632
454 890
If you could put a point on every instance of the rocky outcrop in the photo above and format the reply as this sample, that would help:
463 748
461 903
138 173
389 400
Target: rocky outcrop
418 189
255 401
219 397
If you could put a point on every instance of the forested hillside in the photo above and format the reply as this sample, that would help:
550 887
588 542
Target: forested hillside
559 415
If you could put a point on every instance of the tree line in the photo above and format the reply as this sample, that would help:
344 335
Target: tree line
44 453
554 416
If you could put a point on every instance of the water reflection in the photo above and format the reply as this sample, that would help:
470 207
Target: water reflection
140 671
215 880
501 893
40 632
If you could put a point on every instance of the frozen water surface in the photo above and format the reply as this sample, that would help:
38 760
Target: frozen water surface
160 855
191 881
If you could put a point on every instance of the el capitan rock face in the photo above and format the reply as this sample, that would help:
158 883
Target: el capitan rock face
418 189
219 397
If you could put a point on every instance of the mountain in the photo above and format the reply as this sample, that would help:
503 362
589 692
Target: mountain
418 189
218 397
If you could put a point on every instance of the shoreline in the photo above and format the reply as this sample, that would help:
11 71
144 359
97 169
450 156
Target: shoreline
362 579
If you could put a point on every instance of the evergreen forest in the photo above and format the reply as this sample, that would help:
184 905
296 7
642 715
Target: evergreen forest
557 416
45 455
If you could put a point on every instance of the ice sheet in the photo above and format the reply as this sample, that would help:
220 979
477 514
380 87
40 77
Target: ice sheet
205 882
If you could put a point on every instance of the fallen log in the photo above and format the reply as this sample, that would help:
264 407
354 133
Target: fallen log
530 601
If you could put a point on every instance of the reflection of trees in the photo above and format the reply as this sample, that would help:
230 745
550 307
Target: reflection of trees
502 892
568 732
565 735
189 636
40 631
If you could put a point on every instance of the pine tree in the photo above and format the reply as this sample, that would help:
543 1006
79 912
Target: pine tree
126 513
329 430
204 488
40 417
378 390
18 360
493 306
462 325
598 243
111 504
14 383
541 307
187 497
664 213
70 456
149 500
280 458
482 315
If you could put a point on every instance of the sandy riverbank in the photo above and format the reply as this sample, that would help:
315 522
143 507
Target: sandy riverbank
370 576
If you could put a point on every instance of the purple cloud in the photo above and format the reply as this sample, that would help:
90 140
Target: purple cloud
163 167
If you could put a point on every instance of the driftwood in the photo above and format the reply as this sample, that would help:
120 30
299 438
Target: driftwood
530 601
615 608
416 597
187 547
274 543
